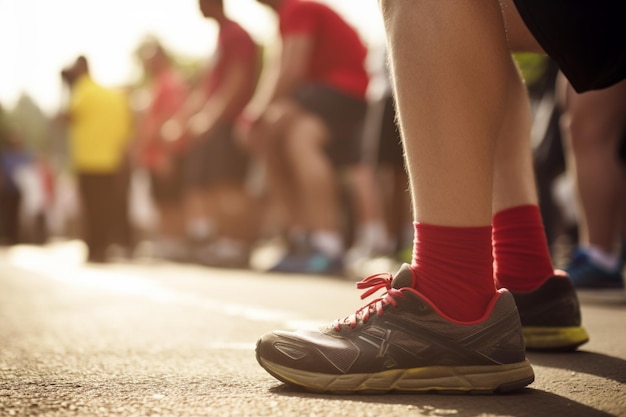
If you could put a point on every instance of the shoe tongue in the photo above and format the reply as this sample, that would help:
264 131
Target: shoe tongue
403 278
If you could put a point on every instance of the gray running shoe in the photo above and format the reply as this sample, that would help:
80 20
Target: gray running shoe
400 342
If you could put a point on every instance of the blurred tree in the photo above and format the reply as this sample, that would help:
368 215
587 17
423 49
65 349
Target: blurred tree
27 118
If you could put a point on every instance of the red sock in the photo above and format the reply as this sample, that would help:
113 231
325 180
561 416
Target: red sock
520 249
454 268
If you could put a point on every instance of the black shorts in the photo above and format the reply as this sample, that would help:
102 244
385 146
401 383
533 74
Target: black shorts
587 38
216 159
168 189
342 114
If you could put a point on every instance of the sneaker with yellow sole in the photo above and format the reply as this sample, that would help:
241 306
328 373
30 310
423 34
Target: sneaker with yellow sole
550 316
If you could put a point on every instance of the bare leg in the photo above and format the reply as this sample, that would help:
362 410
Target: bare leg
596 125
316 178
200 215
467 143
365 193
453 78
283 190
514 180
302 177
236 212
171 240
450 115
172 221
514 183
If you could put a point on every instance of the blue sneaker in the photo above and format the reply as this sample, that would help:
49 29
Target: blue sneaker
585 274
313 262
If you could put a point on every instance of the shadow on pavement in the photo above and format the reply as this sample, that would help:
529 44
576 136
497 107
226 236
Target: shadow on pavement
584 362
526 403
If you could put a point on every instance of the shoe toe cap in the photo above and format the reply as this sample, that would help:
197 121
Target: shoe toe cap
308 350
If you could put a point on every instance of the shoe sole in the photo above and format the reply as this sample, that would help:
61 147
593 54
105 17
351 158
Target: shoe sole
554 338
439 379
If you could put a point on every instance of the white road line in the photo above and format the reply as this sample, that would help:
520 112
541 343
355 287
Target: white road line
64 263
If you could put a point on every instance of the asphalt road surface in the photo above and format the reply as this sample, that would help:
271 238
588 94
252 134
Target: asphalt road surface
161 339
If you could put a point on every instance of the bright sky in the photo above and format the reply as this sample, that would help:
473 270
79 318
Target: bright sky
39 37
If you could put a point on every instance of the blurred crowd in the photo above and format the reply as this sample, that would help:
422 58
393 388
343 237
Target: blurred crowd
295 151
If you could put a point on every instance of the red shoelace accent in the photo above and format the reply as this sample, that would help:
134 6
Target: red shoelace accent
373 283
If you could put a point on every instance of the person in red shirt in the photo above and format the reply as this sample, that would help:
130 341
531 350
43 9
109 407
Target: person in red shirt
161 151
308 123
217 167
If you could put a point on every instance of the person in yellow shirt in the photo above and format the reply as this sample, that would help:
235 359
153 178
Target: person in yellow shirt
99 125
